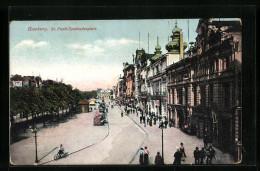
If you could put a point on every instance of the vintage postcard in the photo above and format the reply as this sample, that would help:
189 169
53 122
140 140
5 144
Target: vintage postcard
126 92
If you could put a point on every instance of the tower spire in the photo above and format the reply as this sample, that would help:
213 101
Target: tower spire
188 34
157 40
176 23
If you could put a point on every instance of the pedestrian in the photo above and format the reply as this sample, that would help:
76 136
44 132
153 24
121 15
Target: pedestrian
202 155
144 119
151 122
177 157
154 120
148 119
166 122
183 155
146 156
122 114
158 159
141 156
196 155
141 119
211 154
205 140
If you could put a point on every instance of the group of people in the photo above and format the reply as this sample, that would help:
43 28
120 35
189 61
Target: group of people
151 119
207 153
143 156
179 155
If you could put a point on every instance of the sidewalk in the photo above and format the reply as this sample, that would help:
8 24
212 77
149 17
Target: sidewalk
172 138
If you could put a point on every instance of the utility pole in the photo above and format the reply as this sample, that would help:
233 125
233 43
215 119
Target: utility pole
148 42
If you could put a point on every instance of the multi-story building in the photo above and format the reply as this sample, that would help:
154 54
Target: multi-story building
175 54
157 83
204 90
141 60
130 83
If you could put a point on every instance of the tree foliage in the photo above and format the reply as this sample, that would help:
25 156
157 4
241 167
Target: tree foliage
89 94
50 98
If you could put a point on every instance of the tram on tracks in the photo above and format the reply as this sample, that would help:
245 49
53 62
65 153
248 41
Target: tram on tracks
101 115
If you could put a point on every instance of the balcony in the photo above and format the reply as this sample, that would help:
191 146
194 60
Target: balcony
159 93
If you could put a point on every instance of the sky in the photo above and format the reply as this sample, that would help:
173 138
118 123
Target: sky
91 59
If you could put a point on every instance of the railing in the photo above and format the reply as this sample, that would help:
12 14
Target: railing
159 93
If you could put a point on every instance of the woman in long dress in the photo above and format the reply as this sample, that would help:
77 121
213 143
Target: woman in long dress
183 155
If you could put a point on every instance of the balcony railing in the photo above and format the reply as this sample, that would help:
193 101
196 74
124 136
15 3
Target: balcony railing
159 93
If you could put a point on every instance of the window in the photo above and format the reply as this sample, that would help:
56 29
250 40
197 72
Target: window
203 95
224 64
186 96
226 95
179 96
173 95
217 63
210 95
195 95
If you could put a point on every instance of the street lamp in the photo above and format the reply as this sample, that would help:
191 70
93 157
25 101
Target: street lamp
162 126
35 135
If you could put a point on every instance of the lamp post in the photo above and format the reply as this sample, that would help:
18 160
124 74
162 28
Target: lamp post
35 135
162 126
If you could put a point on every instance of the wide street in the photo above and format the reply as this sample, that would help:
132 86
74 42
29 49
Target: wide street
115 143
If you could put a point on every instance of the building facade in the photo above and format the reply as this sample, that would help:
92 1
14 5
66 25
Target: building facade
205 88
199 91
157 83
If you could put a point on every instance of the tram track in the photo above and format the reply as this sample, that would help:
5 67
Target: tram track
84 147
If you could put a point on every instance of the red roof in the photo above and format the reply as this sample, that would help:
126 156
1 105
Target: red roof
17 78
83 102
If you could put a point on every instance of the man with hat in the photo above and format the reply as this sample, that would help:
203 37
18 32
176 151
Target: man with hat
196 154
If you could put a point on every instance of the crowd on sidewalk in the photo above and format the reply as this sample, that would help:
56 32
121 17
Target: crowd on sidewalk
201 156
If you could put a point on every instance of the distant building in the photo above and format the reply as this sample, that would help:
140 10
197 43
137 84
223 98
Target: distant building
26 81
114 92
83 106
105 94
129 78
17 81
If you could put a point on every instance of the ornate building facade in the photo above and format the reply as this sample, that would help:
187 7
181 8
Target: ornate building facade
205 88
157 83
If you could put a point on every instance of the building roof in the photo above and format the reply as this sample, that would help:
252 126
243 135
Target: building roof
83 102
17 78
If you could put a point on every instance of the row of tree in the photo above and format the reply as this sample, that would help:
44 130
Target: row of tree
48 99
89 94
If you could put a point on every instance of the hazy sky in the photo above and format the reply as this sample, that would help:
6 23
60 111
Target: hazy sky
86 59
